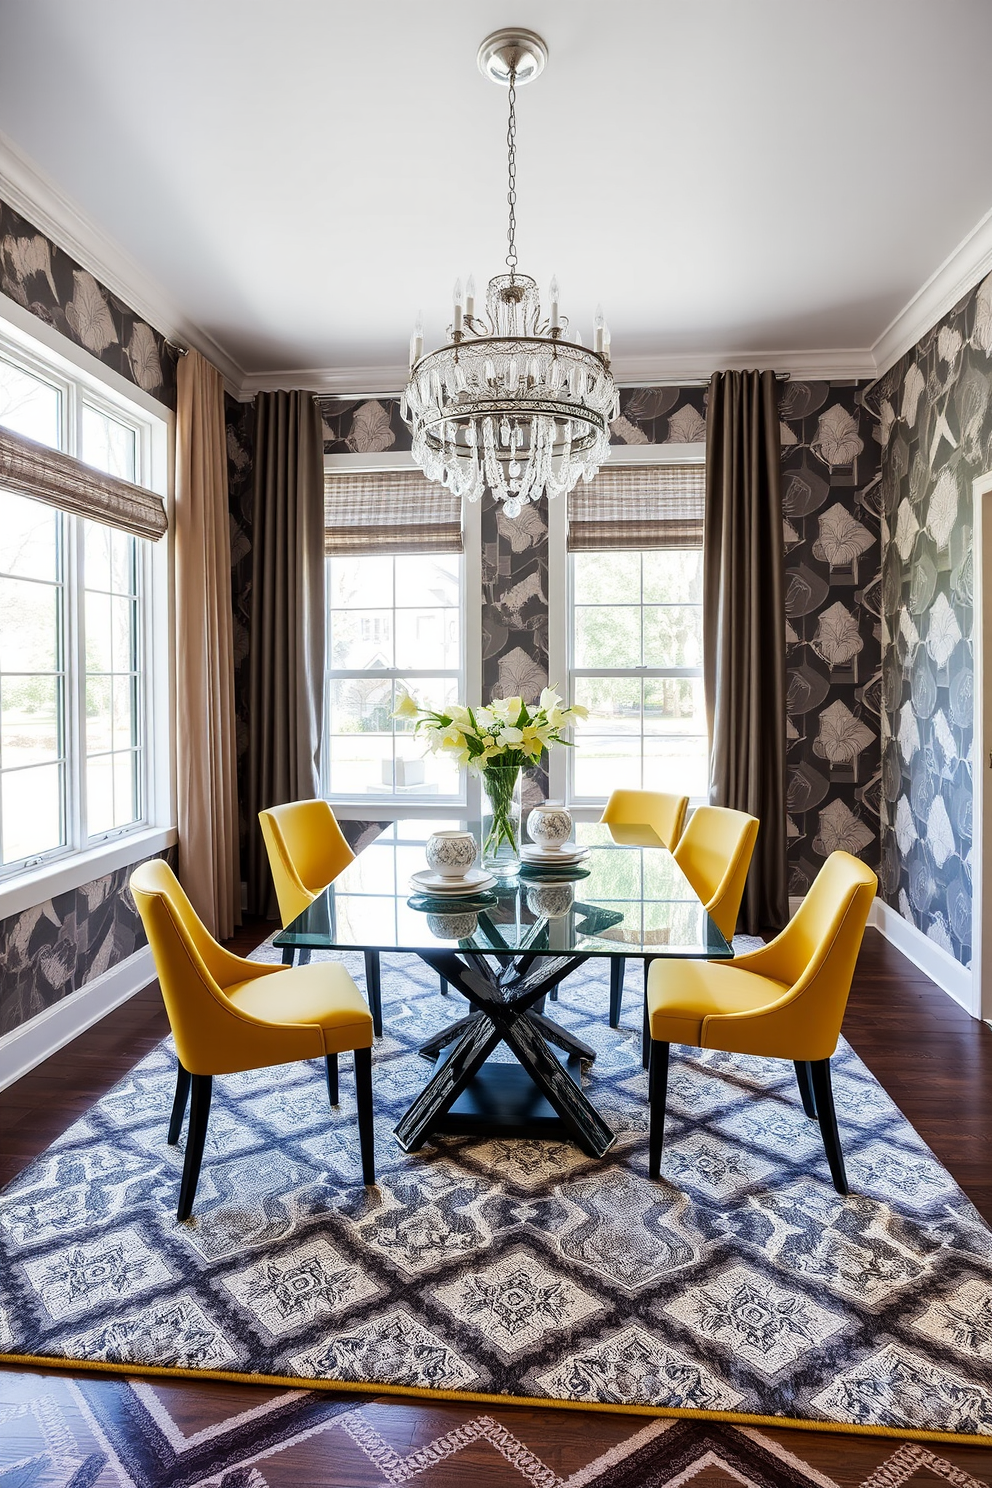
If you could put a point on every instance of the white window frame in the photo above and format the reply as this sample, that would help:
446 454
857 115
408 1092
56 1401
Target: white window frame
374 807
81 379
560 604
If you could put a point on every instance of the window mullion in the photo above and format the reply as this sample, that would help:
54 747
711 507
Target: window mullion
74 650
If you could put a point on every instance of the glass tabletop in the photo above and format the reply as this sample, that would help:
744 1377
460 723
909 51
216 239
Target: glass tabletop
628 898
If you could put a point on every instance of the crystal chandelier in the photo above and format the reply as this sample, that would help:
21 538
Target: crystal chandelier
512 402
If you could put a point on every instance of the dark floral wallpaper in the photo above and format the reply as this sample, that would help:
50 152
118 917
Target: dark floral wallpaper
52 286
830 501
935 412
57 947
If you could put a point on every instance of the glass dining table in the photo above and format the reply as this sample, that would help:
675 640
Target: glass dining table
506 951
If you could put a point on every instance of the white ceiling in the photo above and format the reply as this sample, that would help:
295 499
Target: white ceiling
298 177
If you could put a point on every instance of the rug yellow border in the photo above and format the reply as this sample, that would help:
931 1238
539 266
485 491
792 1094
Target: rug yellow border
413 1392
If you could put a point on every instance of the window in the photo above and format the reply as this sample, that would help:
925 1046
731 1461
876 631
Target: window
636 664
74 767
394 620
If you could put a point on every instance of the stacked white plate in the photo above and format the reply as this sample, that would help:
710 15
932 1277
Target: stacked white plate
440 886
568 852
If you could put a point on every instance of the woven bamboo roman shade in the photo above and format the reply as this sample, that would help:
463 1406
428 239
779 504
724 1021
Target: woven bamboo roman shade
59 480
638 506
389 511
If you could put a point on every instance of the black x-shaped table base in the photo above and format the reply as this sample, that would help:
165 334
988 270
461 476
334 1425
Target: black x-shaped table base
504 1012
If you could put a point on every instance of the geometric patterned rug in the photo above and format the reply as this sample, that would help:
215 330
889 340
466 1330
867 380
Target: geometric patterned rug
741 1288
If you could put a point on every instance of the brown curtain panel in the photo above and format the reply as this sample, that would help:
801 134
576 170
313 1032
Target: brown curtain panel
744 626
287 619
206 754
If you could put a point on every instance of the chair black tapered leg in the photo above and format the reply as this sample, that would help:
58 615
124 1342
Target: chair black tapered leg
305 954
553 994
332 1078
366 1125
646 1028
657 1096
444 987
199 1111
179 1105
373 990
806 1088
288 953
823 1095
617 966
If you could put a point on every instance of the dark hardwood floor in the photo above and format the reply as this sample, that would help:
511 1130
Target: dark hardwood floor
933 1059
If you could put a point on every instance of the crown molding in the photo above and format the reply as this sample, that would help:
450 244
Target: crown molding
645 371
41 202
961 270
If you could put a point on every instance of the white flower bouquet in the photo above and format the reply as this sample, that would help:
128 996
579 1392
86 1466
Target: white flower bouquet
496 742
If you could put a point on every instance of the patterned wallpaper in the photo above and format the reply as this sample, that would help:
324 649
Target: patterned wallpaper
57 947
46 281
830 500
935 413
830 455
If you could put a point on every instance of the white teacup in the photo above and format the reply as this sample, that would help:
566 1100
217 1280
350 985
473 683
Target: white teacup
451 854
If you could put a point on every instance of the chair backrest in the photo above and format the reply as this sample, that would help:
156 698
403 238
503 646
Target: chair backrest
306 849
714 852
814 956
189 963
663 813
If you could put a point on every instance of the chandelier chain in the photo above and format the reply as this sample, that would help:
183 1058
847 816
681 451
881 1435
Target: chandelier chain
511 175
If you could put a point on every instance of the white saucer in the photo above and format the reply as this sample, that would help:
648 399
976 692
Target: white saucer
474 882
569 852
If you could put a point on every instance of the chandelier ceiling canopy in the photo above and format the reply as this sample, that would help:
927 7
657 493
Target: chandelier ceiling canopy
512 402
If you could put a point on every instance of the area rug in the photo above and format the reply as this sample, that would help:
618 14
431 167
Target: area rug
741 1287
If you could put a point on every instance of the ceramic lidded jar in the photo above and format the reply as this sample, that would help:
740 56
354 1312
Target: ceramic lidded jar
451 854
549 825
453 926
551 901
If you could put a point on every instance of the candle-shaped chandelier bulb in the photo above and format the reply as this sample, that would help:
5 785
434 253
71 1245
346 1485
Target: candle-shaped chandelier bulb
553 295
457 292
417 340
598 327
470 297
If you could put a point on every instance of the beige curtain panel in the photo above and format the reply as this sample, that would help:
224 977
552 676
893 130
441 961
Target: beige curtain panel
638 506
59 480
206 756
744 627
389 511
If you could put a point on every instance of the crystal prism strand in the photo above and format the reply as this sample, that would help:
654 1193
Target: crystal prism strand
494 471
531 485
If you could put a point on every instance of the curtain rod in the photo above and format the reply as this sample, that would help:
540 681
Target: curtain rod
692 382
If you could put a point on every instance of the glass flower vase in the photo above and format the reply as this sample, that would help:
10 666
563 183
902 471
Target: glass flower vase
501 819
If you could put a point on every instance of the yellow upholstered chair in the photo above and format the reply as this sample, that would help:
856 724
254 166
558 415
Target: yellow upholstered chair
664 814
640 818
228 1015
714 852
784 1001
307 850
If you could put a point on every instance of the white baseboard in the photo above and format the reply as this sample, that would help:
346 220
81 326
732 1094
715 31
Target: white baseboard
28 1045
953 978
956 980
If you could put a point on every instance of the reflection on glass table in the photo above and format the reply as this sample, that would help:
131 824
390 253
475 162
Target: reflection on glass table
506 950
